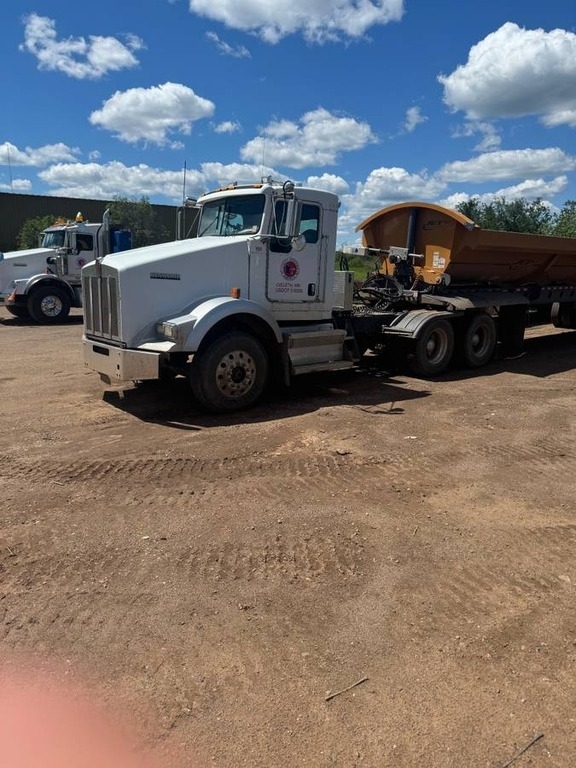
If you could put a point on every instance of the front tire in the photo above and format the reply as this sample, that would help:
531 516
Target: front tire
49 304
19 311
230 374
433 349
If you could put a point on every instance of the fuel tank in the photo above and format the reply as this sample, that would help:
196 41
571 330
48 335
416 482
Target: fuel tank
451 243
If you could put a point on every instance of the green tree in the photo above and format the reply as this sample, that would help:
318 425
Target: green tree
565 225
362 266
140 218
31 229
520 215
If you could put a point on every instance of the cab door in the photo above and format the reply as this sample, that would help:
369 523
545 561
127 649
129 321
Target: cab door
293 273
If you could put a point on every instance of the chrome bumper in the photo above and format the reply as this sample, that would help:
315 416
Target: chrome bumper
116 365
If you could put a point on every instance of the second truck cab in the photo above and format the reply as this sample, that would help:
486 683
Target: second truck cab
44 283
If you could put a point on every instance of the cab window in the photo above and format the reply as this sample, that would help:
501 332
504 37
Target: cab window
232 216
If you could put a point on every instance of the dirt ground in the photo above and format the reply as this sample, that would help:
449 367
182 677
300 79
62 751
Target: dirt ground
222 576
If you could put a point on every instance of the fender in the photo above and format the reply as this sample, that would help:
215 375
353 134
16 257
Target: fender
412 323
193 328
24 286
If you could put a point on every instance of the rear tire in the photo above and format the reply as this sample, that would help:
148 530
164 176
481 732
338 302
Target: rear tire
230 374
49 304
479 340
433 349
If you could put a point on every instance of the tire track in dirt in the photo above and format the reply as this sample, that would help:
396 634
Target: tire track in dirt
548 456
64 604
285 557
474 592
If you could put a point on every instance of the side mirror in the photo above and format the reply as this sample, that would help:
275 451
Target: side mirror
299 243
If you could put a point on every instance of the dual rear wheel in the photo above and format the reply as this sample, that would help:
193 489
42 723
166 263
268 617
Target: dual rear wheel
437 343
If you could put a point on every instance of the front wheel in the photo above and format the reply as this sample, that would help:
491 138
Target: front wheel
49 304
230 374
433 349
19 311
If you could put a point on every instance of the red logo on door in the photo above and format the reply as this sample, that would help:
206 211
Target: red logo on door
290 269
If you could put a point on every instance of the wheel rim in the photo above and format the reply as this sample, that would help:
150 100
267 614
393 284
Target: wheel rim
437 346
51 306
480 341
235 374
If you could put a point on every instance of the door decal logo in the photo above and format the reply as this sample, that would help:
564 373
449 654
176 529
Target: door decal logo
290 269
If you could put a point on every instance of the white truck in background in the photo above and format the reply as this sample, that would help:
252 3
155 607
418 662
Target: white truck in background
44 283
254 297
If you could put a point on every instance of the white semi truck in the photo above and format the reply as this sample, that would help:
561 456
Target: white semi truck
44 283
254 296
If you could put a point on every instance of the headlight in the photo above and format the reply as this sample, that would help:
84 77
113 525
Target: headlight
168 330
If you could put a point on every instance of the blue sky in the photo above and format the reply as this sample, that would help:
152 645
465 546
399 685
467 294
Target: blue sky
380 101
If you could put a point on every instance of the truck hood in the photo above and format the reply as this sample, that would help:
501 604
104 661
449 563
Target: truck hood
27 254
20 265
168 280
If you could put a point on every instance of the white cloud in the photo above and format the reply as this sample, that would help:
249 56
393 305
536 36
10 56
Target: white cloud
319 139
228 126
107 180
531 189
237 52
104 181
17 185
490 137
515 72
84 59
218 174
317 21
508 164
534 188
328 182
152 114
36 156
385 186
414 117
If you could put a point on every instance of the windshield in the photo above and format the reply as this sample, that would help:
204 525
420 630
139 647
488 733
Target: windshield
53 239
232 216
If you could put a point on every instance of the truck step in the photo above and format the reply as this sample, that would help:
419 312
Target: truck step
315 347
338 365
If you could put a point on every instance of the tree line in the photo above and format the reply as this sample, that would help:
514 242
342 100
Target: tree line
136 215
532 217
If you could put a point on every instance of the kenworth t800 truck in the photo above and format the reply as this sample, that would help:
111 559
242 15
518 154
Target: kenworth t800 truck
254 296
44 283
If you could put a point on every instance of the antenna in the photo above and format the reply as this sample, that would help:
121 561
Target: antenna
263 155
9 166
184 185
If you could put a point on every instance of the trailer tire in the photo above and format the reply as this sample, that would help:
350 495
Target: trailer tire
229 374
433 349
19 311
48 304
479 340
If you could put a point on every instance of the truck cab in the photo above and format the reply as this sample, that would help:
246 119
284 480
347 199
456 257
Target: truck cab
251 296
44 283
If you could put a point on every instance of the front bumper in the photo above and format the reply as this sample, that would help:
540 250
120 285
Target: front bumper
116 365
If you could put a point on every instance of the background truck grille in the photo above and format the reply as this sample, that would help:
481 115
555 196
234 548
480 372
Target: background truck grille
100 300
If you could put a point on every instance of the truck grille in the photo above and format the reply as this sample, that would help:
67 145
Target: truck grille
100 300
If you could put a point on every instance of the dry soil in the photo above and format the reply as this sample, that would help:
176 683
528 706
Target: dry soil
222 576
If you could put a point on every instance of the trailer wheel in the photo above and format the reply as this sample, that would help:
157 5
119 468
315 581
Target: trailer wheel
229 374
49 304
433 350
479 340
19 311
